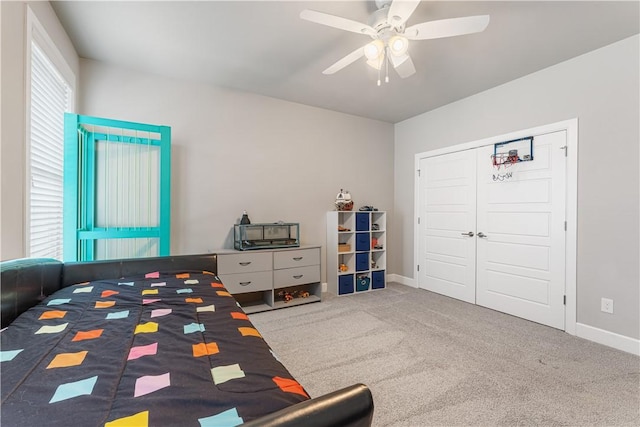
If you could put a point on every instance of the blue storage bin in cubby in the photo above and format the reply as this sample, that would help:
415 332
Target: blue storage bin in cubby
377 279
362 221
362 242
362 283
362 261
345 284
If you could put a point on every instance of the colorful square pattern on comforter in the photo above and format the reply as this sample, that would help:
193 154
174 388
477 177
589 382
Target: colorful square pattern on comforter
159 350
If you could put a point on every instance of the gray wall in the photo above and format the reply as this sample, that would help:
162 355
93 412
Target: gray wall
280 160
601 89
234 150
12 114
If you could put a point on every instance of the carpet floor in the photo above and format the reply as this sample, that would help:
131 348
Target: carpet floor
430 360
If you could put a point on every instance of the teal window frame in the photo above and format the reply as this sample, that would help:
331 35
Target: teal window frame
79 230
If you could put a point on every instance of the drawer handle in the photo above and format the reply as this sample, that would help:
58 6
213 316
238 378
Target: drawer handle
299 276
298 258
245 263
245 283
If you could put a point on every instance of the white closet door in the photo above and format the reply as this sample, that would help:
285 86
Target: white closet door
521 260
447 258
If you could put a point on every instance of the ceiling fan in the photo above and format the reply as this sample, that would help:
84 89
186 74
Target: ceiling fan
391 36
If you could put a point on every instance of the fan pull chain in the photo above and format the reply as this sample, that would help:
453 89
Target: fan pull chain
386 65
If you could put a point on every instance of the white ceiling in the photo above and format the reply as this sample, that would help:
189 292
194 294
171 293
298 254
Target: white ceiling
264 47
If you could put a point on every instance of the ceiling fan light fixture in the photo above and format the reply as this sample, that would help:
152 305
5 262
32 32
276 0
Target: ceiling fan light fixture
398 45
387 27
374 50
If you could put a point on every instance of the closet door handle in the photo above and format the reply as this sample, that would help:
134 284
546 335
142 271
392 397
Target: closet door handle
482 235
470 234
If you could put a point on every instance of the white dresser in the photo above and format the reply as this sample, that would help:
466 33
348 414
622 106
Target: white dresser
262 280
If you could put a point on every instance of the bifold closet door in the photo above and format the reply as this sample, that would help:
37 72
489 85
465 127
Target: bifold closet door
521 259
496 237
446 247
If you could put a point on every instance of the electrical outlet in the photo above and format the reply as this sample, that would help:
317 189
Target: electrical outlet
606 305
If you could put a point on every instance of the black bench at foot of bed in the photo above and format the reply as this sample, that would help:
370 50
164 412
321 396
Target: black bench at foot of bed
136 305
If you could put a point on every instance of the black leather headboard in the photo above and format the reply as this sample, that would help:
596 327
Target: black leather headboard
77 272
25 282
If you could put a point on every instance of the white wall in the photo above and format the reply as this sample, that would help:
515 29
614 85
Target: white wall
602 90
233 150
13 114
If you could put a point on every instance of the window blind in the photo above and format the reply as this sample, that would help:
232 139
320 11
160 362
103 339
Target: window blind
49 100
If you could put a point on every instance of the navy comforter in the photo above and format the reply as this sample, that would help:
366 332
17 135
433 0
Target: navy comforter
159 350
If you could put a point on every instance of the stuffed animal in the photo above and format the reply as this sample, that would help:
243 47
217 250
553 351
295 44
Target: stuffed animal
285 296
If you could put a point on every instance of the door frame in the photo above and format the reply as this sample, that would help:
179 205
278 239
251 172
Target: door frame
571 215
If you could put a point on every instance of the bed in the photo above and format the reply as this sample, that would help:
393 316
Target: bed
153 341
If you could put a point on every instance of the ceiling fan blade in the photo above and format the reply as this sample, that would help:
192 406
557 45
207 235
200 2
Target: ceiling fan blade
400 11
403 65
337 22
447 27
350 58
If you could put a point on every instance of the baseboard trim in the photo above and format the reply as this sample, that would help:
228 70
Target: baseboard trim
597 335
610 339
403 280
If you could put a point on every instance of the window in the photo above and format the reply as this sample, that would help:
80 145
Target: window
49 96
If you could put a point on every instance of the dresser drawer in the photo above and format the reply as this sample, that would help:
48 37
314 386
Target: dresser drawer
296 276
244 262
247 282
296 258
